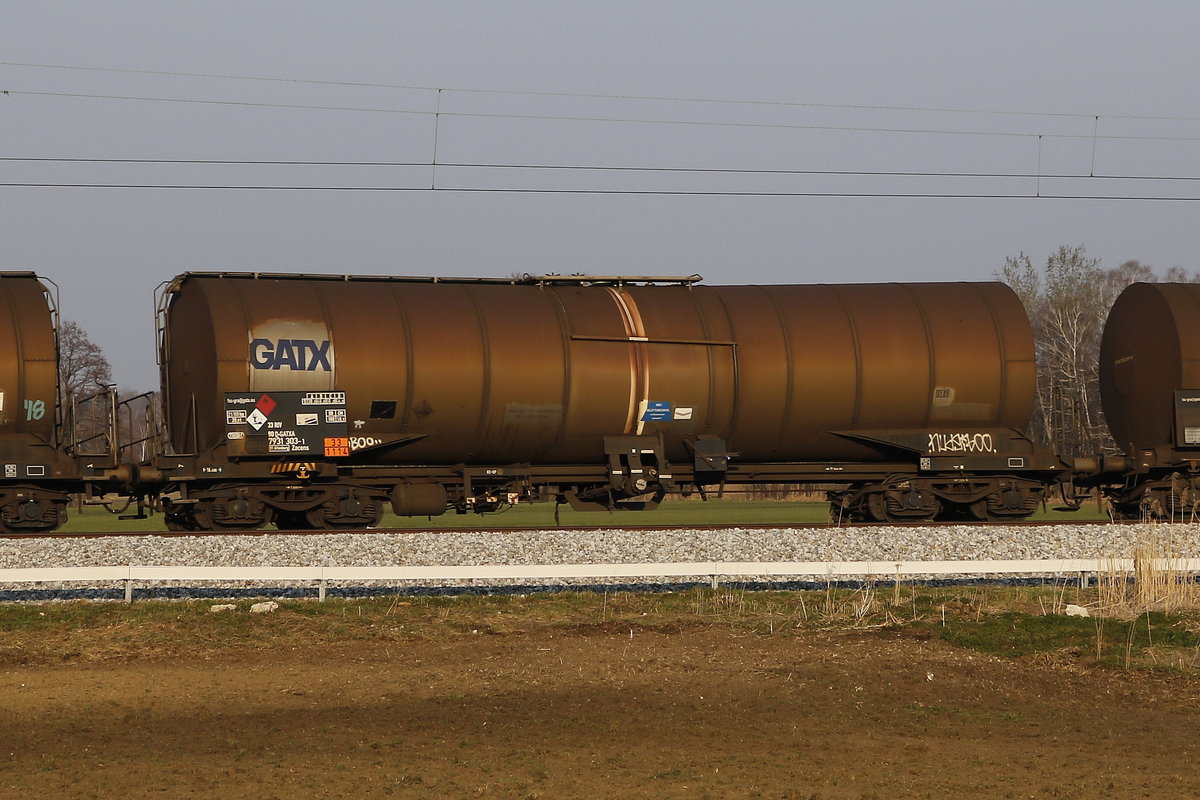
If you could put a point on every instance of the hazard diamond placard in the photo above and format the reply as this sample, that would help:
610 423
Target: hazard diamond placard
285 423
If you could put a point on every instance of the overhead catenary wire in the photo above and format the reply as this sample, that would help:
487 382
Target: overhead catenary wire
588 168
597 95
626 120
626 192
440 111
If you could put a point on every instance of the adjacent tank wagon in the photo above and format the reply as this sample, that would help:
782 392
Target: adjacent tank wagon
316 401
46 455
1150 390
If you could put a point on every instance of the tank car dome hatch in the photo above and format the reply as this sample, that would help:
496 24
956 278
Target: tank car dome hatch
1150 350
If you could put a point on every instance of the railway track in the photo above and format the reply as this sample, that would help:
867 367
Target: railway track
264 532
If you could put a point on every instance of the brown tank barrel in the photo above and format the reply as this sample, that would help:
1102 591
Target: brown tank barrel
478 371
1149 350
28 363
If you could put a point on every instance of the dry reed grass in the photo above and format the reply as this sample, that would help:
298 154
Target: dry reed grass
1159 580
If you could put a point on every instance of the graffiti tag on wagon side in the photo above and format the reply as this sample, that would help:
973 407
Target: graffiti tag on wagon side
961 443
364 442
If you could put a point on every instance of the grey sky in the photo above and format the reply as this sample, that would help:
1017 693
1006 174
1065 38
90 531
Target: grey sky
838 86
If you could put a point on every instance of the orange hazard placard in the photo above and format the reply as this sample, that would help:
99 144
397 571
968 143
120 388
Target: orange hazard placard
337 446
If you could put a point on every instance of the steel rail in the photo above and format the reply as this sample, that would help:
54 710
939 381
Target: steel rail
564 528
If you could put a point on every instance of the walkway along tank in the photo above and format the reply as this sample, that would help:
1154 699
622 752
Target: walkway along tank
317 400
50 447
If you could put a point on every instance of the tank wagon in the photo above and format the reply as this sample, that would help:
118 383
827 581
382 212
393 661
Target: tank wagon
317 401
1150 390
45 454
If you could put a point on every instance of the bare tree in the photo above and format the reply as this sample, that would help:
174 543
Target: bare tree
82 367
1180 275
1115 280
1067 303
1072 319
84 374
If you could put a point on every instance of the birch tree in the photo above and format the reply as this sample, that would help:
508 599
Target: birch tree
1067 302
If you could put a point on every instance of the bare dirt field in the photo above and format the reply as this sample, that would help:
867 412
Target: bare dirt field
518 699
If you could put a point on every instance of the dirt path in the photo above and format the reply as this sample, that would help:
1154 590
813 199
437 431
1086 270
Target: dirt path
596 712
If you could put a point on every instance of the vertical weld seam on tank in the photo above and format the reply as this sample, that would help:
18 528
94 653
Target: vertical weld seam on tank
565 330
1002 410
486 395
709 356
329 332
19 353
931 350
858 365
632 328
735 389
406 327
785 419
248 327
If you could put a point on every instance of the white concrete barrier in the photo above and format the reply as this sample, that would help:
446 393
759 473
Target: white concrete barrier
712 571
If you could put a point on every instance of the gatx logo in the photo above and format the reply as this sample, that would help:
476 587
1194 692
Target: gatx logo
299 355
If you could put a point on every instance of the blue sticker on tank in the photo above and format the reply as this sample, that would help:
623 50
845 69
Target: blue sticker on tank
657 411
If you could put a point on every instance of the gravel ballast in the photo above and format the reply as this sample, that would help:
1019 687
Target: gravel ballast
473 548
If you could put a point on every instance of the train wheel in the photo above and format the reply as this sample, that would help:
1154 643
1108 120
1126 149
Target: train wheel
979 511
315 518
1007 505
232 514
204 516
178 517
346 513
899 507
320 518
33 516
